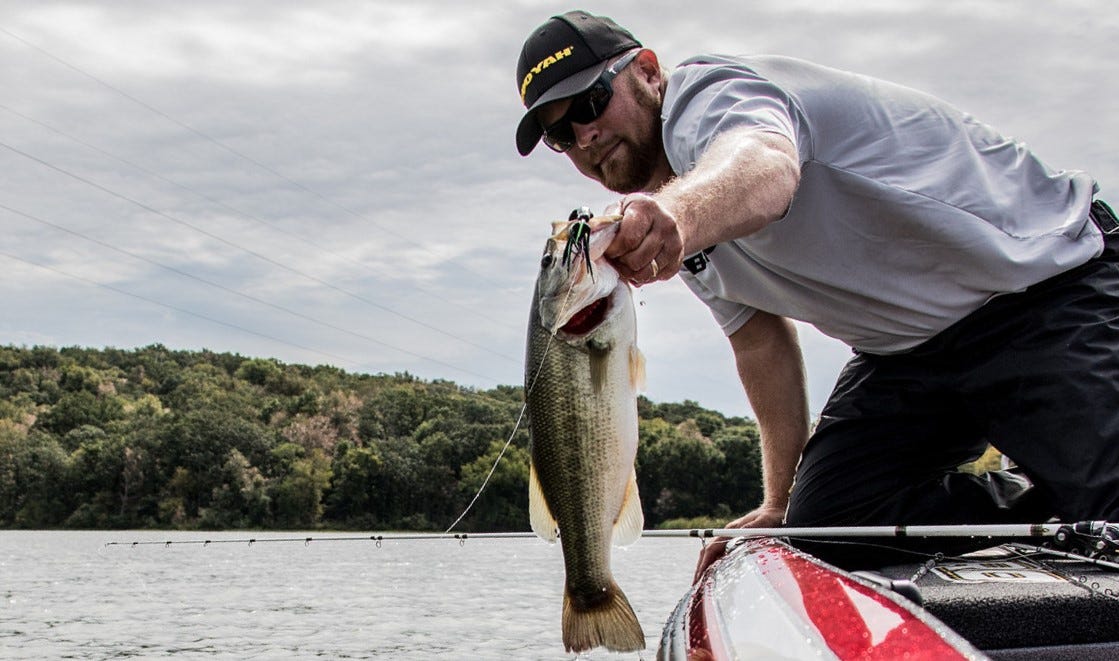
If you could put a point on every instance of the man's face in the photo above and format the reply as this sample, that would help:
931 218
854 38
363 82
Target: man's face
622 148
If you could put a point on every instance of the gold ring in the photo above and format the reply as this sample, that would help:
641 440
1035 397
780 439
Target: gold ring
654 265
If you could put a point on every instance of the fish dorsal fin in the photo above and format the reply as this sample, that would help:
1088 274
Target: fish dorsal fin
598 222
539 516
631 520
636 368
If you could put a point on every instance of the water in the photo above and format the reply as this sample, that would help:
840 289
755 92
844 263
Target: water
66 595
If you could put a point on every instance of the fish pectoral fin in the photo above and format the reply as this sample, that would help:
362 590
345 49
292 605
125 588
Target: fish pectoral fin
631 520
599 366
539 516
636 368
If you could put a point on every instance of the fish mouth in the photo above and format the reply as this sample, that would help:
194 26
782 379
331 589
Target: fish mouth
587 319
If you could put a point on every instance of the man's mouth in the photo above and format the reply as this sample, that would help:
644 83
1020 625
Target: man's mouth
601 161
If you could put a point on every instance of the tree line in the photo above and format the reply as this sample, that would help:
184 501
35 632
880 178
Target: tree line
159 438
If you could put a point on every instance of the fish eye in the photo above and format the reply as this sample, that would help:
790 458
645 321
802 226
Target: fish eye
546 261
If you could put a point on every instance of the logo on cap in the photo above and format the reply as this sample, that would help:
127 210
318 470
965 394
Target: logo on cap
541 65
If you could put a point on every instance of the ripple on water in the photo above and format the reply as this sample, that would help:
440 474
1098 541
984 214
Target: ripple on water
69 596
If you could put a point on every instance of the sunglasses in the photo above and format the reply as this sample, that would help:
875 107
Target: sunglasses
585 107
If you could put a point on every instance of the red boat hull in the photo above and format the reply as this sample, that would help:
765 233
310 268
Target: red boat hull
766 599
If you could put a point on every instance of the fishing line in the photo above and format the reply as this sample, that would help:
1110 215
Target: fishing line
1093 588
520 418
377 539
1108 564
478 494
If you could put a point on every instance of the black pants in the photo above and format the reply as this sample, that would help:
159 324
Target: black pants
1036 374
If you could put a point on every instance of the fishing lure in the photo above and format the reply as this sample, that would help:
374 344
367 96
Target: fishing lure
579 239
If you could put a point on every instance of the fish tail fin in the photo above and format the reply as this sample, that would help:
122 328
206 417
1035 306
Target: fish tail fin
610 623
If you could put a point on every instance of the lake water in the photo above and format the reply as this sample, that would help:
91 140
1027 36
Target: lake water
68 595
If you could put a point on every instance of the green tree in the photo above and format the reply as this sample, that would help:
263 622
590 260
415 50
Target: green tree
297 497
739 479
242 499
33 487
160 437
353 490
79 408
503 505
678 471
199 442
398 494
396 411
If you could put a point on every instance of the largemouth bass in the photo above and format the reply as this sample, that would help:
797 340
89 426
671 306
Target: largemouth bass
582 373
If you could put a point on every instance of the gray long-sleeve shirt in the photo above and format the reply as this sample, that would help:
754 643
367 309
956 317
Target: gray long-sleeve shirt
909 214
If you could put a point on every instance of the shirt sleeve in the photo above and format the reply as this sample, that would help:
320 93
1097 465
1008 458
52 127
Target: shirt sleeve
706 98
728 314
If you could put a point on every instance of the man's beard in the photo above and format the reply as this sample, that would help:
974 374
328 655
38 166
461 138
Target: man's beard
635 170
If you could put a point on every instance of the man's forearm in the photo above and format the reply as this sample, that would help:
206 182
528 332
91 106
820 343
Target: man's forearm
772 372
744 181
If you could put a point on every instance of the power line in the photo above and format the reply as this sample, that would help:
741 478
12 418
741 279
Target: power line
235 152
254 253
302 239
174 307
242 294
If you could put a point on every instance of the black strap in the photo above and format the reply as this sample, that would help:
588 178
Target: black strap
698 261
1104 217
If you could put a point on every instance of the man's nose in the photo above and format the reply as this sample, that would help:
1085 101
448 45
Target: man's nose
585 134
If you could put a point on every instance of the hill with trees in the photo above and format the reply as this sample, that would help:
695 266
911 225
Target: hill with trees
157 438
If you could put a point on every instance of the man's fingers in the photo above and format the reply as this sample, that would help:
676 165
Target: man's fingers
635 226
709 555
648 246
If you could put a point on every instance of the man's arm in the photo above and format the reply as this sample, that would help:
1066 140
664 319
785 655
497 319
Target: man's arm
770 365
744 181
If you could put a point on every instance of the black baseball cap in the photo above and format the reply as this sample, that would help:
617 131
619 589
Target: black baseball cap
562 58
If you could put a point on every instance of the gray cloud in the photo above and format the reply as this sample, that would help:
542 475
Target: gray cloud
390 127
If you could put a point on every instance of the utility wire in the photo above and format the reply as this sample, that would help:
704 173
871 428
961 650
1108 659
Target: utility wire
175 308
239 293
250 251
235 152
274 227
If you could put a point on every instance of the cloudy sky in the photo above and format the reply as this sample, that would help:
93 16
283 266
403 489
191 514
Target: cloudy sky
336 182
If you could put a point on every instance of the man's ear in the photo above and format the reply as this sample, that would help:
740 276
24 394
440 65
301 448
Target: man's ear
649 66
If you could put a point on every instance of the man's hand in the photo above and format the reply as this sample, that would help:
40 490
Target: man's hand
648 246
763 517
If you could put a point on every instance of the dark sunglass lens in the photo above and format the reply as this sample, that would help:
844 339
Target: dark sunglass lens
588 106
559 136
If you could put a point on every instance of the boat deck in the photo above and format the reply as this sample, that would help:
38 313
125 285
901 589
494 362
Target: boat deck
1020 605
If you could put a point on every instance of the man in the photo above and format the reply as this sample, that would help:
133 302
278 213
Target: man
973 282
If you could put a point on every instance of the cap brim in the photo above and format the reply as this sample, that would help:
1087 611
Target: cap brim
529 130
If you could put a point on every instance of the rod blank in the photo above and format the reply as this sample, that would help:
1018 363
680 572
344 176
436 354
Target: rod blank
996 530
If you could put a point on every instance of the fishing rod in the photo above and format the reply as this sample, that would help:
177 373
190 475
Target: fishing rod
376 538
1096 536
819 532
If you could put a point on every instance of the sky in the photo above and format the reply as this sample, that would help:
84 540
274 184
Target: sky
337 182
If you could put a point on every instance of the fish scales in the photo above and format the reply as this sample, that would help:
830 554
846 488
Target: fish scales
582 370
577 480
